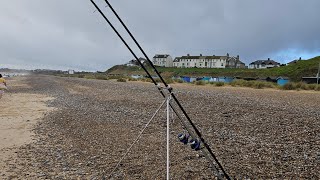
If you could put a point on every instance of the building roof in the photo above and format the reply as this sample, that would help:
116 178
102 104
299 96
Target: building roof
294 61
268 62
161 56
177 59
203 57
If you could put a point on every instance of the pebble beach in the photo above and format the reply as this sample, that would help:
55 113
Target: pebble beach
89 124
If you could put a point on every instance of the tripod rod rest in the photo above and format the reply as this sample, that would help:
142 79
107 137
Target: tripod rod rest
169 88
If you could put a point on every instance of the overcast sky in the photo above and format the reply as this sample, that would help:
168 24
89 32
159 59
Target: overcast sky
68 34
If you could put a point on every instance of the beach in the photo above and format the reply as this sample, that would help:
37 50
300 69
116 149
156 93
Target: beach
73 128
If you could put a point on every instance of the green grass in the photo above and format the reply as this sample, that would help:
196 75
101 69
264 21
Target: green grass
253 84
300 86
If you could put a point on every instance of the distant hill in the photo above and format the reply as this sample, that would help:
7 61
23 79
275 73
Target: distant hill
294 71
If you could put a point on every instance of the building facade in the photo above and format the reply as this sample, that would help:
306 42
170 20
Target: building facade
263 64
208 62
164 60
200 61
134 62
234 62
70 71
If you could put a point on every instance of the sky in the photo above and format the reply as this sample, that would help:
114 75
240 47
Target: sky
70 34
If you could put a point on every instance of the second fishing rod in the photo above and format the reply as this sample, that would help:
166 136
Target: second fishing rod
158 74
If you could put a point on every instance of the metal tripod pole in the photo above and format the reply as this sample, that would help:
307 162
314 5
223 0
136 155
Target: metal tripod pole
168 136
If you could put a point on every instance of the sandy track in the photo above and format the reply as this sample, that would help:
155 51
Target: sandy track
19 113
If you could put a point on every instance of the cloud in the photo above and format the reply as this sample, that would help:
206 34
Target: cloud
67 34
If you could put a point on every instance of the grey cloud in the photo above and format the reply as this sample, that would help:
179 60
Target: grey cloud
67 34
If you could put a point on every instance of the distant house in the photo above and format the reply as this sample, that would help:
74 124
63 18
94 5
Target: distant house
70 71
234 62
294 61
134 62
176 62
164 60
263 64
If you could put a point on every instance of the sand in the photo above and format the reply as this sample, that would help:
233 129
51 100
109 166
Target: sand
18 114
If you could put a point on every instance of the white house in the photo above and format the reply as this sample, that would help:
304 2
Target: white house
134 62
164 60
263 64
70 71
200 61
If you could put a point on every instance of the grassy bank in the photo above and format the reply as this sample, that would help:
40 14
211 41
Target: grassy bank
294 71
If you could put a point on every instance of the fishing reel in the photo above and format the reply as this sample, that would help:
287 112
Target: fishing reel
194 143
184 138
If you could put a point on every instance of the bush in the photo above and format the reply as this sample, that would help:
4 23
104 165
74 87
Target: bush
317 88
178 80
132 79
101 77
219 84
258 85
121 80
302 85
169 81
115 77
149 80
289 86
200 83
312 86
253 84
81 75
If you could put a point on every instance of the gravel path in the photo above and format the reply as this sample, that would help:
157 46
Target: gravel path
257 134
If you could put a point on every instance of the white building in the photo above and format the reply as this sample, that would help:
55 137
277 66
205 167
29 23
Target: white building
263 64
134 62
164 60
200 61
70 71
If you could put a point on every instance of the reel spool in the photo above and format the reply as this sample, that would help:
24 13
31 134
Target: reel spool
195 144
183 138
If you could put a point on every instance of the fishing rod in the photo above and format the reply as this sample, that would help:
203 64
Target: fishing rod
162 80
169 89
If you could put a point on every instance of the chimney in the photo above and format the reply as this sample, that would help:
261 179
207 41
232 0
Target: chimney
300 58
188 54
227 54
238 57
200 54
268 59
